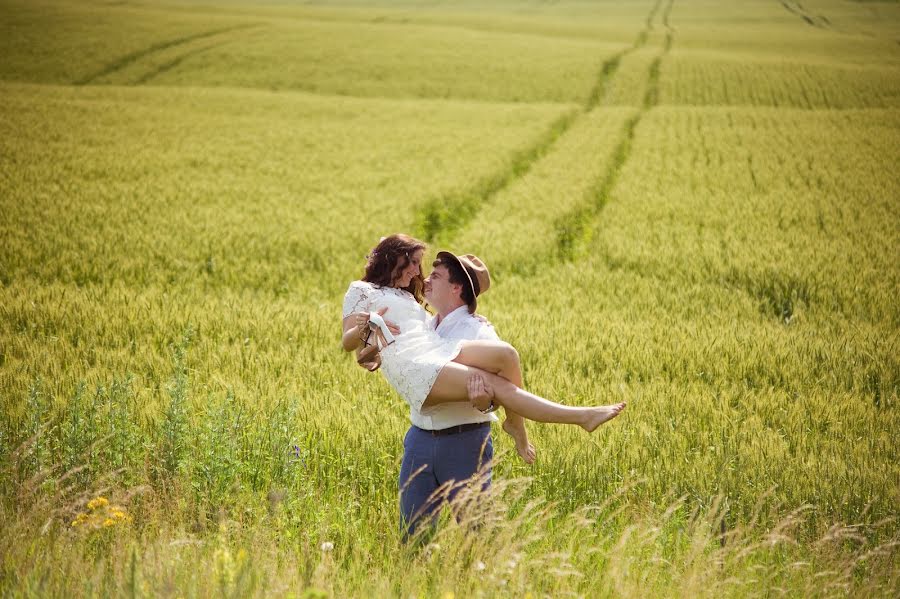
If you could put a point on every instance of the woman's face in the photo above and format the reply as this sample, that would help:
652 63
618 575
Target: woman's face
405 275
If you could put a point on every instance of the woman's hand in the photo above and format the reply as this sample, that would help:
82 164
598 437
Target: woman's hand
362 325
355 327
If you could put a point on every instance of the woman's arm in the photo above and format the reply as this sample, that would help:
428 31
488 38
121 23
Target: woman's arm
356 309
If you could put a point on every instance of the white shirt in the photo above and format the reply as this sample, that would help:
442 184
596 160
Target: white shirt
459 324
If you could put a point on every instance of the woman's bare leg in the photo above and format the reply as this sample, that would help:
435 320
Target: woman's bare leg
451 385
506 365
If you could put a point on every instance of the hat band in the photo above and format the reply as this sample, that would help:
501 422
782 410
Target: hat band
473 280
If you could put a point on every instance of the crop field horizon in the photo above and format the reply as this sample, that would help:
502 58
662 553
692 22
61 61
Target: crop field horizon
688 205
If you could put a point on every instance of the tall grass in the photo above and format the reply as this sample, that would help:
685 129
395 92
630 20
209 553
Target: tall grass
274 545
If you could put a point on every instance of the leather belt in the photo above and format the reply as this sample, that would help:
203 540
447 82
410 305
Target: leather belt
461 428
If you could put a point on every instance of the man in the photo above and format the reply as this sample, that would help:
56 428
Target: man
451 442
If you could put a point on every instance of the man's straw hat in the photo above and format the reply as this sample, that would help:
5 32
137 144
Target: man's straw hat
476 272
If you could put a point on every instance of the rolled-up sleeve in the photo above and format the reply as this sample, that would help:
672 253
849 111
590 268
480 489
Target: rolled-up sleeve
487 332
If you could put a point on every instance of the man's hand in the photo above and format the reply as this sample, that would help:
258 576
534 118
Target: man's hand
481 394
393 328
482 319
362 323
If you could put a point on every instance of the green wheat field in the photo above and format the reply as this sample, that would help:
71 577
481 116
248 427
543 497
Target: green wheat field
689 205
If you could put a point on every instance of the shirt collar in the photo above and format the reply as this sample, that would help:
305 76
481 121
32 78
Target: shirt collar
457 314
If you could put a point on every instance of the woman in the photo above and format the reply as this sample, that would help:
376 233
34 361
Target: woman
426 369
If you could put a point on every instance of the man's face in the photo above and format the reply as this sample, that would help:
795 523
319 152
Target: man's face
439 291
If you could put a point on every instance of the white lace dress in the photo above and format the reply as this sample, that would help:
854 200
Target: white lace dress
412 363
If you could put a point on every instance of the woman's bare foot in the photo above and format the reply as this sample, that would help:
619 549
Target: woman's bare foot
525 449
600 415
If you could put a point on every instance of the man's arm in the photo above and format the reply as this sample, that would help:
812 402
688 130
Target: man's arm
481 394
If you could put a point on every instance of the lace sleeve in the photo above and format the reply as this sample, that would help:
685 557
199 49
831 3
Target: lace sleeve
356 298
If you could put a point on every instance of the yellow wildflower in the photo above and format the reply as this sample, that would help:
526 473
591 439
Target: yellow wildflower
118 514
97 502
109 522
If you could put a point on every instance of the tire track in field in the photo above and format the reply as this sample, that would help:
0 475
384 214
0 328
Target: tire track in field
576 229
611 66
795 8
133 57
168 66
171 64
446 215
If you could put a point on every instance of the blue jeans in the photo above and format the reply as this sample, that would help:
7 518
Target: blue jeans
430 461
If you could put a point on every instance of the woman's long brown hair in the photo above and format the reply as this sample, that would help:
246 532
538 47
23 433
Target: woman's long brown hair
391 256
